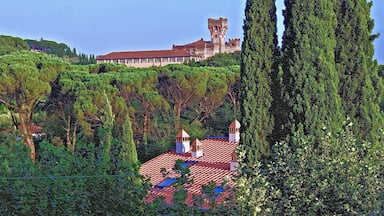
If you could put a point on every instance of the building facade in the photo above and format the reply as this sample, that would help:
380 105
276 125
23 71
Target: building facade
197 51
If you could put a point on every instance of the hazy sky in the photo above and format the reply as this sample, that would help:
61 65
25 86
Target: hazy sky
99 27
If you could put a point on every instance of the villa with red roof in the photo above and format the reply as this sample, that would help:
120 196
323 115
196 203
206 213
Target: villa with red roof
197 51
209 160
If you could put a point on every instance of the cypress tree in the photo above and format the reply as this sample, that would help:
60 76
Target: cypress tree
357 70
258 66
107 120
128 152
309 76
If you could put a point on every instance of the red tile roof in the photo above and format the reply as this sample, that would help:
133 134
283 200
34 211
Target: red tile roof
144 54
198 45
214 165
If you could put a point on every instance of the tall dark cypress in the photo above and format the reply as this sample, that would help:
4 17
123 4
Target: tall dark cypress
358 71
310 79
258 68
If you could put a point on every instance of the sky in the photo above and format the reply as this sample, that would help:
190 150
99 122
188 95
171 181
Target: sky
99 27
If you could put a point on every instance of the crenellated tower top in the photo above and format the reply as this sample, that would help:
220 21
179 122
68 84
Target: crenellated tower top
218 29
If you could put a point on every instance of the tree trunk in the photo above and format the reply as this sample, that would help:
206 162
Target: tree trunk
146 125
74 138
29 142
232 97
177 111
27 134
14 120
68 133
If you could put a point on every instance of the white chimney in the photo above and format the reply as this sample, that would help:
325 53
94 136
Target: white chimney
234 131
234 161
197 149
182 142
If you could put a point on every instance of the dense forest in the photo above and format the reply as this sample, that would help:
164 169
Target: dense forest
68 101
98 120
311 113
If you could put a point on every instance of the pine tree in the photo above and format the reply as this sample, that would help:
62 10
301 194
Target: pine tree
357 70
258 66
309 76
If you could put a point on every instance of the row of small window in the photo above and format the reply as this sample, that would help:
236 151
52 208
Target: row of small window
149 60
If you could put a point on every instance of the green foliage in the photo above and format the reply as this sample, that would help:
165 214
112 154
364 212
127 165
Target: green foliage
128 147
140 93
106 67
146 95
341 177
152 147
52 47
60 183
195 130
10 44
213 98
253 191
27 75
25 79
310 78
5 118
381 71
60 50
360 85
258 70
183 86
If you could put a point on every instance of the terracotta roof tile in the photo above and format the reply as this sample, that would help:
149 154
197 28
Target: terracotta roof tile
144 54
200 44
214 165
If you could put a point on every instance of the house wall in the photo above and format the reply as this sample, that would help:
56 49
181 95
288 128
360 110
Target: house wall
148 62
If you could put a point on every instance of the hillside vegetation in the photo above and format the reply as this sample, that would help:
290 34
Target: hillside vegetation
9 44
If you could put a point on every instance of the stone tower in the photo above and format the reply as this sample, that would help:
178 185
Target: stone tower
218 29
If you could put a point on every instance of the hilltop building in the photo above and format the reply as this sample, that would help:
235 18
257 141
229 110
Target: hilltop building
197 51
211 159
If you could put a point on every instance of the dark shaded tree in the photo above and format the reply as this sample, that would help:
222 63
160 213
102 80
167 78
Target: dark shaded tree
381 71
258 69
309 76
360 84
